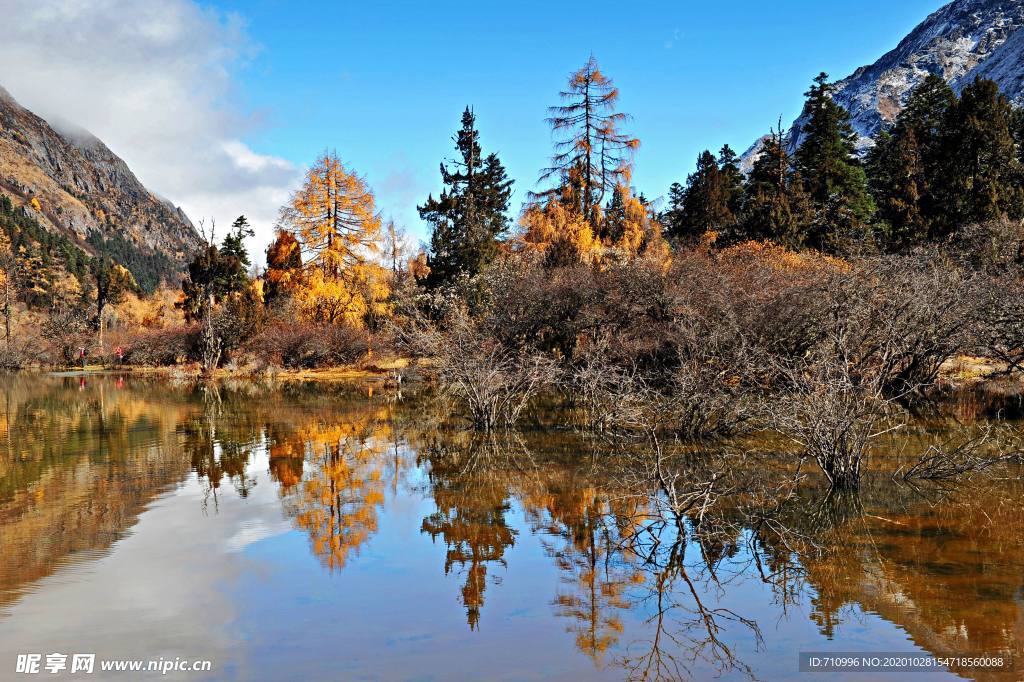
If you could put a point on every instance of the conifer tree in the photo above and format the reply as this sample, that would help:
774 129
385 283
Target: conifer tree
926 114
827 163
775 205
907 166
672 217
628 224
732 179
112 281
593 156
705 202
896 177
233 249
615 212
981 173
469 217
333 217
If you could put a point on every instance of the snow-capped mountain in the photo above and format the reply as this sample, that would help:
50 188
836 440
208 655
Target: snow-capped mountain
958 41
1005 66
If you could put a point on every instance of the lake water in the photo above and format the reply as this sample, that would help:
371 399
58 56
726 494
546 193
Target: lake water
325 532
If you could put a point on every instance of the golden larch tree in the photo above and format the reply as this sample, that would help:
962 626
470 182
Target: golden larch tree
592 154
334 219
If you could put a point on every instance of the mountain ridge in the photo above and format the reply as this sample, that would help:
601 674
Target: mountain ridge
72 184
958 41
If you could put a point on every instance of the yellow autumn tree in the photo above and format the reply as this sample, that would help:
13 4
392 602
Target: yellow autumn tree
334 219
9 283
630 229
342 488
558 232
592 153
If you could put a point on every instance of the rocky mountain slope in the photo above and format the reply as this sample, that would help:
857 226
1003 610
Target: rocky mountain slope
1005 66
959 41
72 184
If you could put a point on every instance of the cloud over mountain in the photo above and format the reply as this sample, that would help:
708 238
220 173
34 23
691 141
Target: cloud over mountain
154 81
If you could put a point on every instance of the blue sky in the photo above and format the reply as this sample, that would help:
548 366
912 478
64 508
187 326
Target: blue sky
384 83
218 105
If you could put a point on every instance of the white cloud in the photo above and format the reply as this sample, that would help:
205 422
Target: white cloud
153 81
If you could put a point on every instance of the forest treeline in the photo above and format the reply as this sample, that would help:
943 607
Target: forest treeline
821 294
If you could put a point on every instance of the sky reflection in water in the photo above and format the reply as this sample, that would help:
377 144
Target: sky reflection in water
318 532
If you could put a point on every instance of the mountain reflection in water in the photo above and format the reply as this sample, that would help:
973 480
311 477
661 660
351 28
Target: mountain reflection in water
311 531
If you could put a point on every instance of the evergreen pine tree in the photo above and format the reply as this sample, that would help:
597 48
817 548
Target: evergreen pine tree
926 114
236 255
672 217
896 177
732 179
614 215
831 174
705 205
907 167
468 218
775 204
981 157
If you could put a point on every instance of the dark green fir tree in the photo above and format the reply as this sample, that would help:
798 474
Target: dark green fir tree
981 177
703 205
832 176
775 205
469 217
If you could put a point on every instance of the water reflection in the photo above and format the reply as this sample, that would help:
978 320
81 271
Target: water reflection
532 526
470 488
78 465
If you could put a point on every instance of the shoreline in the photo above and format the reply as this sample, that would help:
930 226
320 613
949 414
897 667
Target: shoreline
383 369
963 374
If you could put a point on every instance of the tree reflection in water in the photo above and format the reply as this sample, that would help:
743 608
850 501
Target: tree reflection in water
645 570
470 487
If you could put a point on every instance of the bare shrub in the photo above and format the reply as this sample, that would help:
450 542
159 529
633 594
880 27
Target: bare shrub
1001 321
995 251
885 328
495 383
699 399
239 320
897 320
527 305
994 247
67 331
834 418
599 389
162 347
304 345
957 458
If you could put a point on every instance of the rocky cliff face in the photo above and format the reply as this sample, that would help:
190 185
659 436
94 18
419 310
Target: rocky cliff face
959 41
73 184
1005 65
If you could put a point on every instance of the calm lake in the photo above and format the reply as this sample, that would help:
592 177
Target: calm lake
317 532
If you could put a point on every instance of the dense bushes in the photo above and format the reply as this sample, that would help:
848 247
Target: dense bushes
292 345
305 345
829 352
162 347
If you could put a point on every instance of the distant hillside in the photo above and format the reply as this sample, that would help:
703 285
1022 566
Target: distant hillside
84 196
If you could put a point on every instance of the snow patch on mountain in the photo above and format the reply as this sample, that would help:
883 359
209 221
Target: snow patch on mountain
957 42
